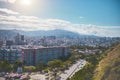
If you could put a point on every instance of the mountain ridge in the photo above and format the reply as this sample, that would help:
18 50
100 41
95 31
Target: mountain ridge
57 32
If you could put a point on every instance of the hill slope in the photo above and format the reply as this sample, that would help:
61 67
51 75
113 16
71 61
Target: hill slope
109 67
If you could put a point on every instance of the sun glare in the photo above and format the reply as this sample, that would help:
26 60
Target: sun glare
26 2
11 1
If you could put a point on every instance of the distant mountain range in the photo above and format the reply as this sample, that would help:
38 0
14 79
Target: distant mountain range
40 33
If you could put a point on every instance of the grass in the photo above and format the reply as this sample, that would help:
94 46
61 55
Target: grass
109 67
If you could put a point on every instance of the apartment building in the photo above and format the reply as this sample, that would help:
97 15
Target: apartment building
32 56
10 55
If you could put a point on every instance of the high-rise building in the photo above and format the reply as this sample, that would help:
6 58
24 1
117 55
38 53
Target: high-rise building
10 55
9 42
1 43
22 38
32 56
19 39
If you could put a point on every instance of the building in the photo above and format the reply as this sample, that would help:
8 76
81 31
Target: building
10 55
32 56
51 37
1 43
19 39
9 42
22 37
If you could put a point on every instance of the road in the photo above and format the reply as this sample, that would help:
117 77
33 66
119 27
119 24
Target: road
1 78
37 77
73 69
68 73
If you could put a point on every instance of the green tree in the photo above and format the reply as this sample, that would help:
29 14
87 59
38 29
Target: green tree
5 66
29 68
40 66
17 64
54 64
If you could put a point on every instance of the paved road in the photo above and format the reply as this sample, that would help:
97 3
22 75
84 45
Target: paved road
37 77
73 69
2 78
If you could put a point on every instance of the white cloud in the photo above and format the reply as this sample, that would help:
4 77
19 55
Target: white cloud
4 11
8 1
11 1
12 21
3 0
81 17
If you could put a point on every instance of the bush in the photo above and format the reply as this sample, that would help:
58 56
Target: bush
29 68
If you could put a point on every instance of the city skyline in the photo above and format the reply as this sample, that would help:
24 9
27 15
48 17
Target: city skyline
94 17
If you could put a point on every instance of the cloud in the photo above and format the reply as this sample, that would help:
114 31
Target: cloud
81 17
8 1
3 0
4 11
11 20
11 1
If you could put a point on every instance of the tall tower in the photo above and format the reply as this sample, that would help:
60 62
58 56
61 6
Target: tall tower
19 39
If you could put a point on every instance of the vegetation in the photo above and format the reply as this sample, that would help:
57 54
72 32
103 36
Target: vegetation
87 47
40 66
87 72
105 66
5 66
54 63
84 74
16 65
109 67
29 68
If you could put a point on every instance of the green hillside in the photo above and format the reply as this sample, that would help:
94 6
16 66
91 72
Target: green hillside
109 67
104 66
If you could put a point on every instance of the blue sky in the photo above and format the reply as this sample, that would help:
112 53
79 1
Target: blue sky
87 13
98 12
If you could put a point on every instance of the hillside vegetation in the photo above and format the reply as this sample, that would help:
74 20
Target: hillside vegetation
104 66
109 67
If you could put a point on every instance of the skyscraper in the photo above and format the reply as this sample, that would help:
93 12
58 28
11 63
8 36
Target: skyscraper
19 39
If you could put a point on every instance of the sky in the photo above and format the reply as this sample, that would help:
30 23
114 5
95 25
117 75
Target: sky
91 17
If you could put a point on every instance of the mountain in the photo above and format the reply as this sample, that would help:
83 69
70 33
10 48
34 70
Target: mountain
58 33
7 33
40 33
109 67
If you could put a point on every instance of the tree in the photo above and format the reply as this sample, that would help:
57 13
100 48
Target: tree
54 64
5 66
17 64
29 68
68 78
40 66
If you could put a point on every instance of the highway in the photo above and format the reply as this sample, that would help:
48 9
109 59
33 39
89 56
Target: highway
73 69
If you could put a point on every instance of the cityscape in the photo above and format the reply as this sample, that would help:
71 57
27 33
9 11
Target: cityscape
53 40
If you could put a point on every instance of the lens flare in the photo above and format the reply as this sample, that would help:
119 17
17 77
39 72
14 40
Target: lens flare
11 1
26 2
